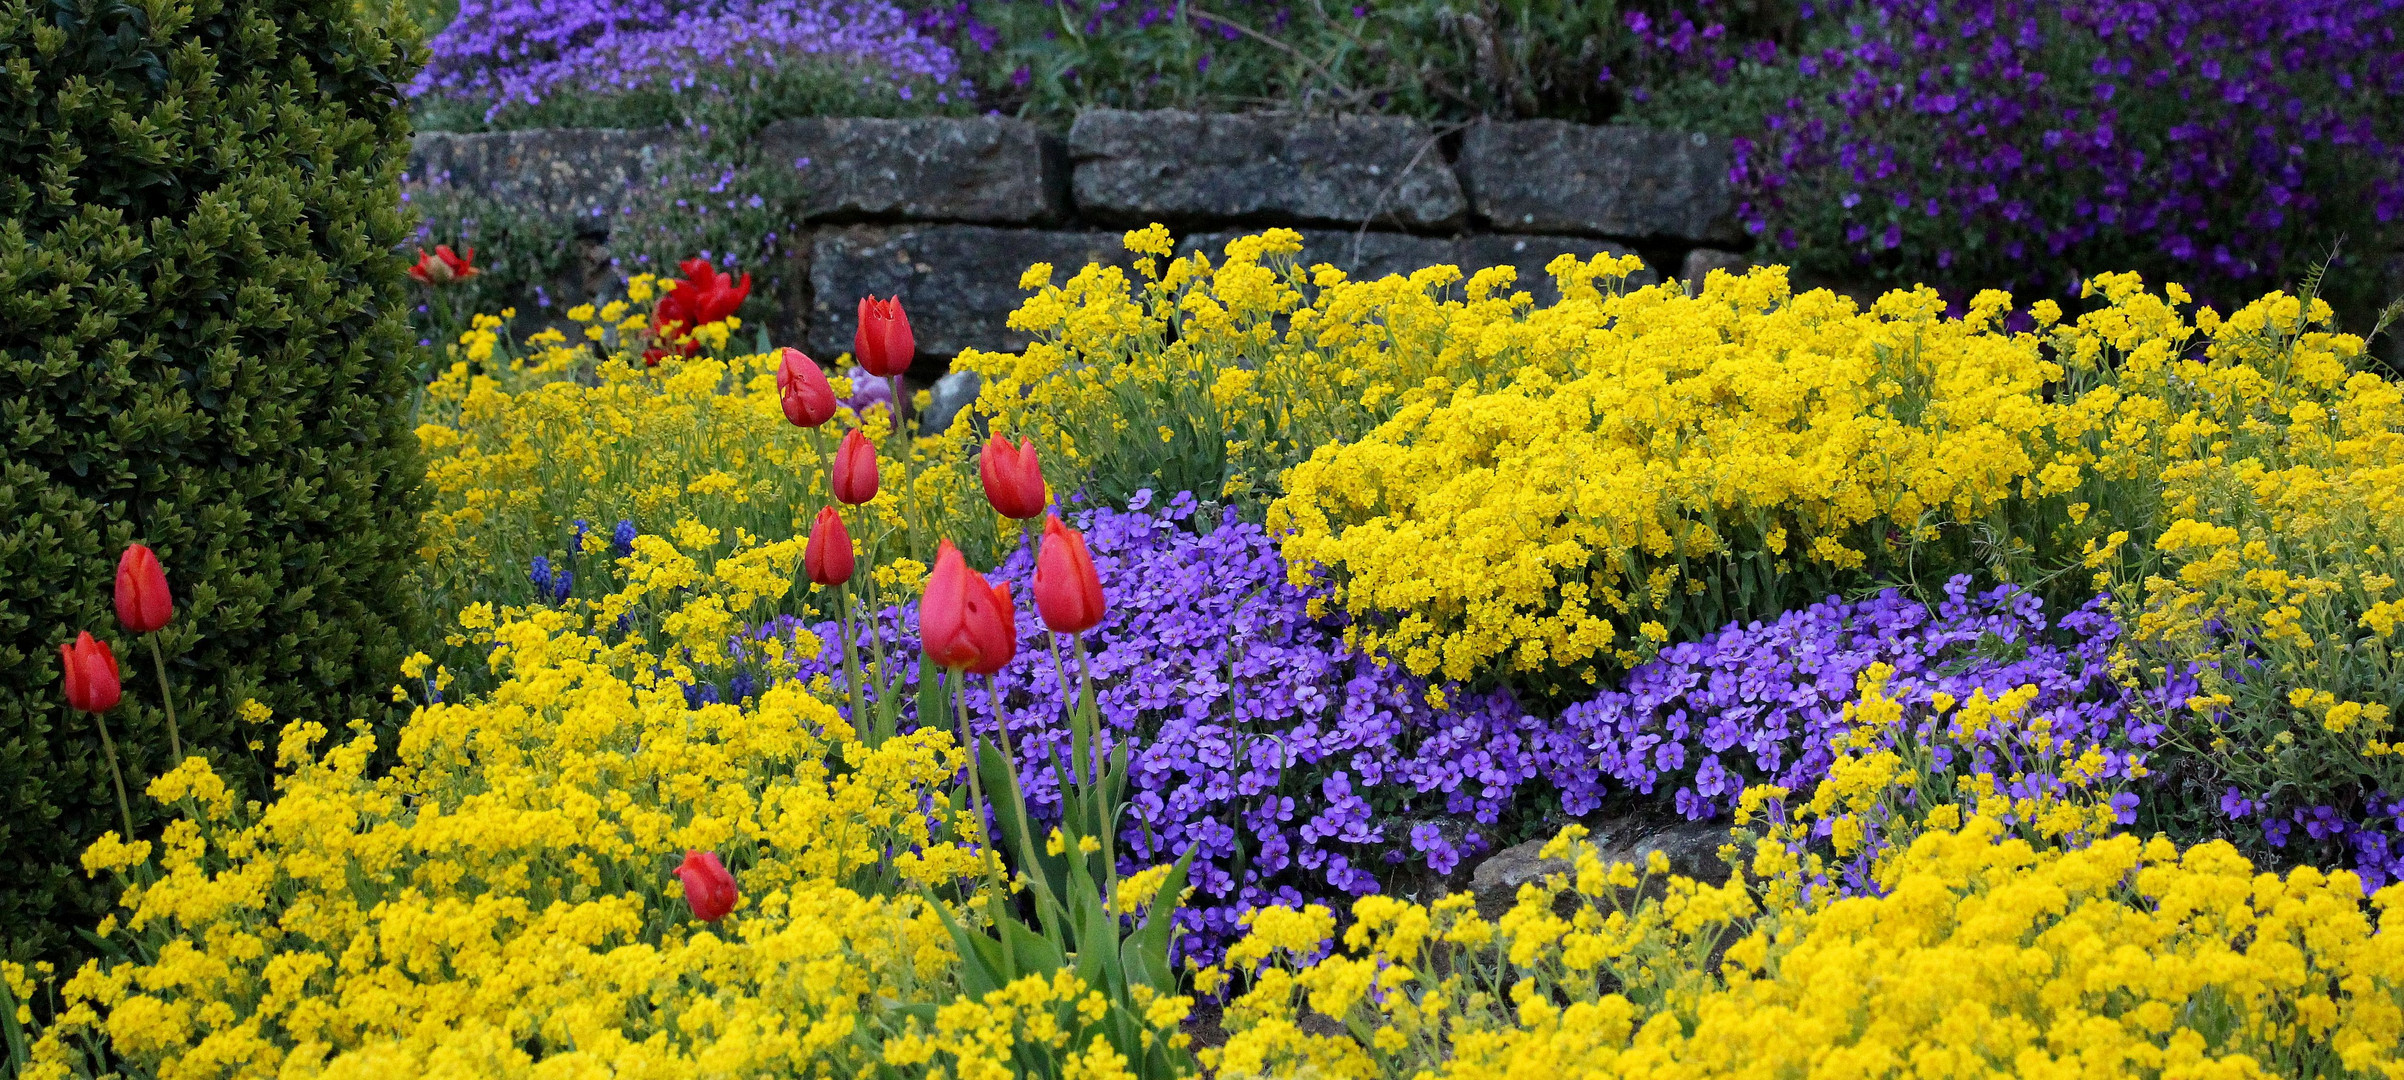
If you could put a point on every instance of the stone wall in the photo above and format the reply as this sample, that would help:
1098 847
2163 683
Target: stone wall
948 212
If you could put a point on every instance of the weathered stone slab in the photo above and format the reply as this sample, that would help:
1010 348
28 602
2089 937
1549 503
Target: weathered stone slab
585 173
958 282
1372 255
1175 166
1692 848
986 169
1557 177
1702 261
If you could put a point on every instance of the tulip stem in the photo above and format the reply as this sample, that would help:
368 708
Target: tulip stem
109 746
175 739
851 663
1092 708
976 806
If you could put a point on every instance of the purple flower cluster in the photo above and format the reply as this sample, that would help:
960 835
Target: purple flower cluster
523 52
1760 704
2226 141
1296 767
2372 835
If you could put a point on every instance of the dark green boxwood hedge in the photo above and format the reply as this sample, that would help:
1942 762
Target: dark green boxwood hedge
202 339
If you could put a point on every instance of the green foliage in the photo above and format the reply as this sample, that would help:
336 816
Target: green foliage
1447 59
201 341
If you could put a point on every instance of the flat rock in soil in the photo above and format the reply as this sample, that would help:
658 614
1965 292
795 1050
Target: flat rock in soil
958 282
1692 848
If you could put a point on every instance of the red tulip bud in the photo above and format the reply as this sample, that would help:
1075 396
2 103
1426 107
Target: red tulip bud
944 613
828 558
883 343
91 671
708 889
994 623
142 601
854 481
1013 478
809 401
1068 592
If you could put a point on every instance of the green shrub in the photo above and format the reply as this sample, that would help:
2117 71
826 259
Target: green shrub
201 338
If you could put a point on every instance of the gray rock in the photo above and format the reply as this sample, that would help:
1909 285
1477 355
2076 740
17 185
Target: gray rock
1692 848
1176 166
958 282
987 169
952 393
1555 176
1702 261
1367 256
579 173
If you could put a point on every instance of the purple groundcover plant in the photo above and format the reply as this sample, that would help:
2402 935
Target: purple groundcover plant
2225 142
1297 767
523 52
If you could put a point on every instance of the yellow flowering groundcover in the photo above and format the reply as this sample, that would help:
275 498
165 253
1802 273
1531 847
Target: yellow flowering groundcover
1482 490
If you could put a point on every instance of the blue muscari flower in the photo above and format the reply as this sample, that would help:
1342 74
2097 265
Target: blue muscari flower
540 574
577 548
622 540
741 686
560 584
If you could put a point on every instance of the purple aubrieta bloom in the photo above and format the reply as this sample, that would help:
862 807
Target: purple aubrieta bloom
1293 765
523 52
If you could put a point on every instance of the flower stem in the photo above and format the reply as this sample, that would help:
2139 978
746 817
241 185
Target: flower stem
109 746
175 739
976 806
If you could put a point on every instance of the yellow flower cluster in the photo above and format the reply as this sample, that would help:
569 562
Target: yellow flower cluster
1666 459
2272 470
519 451
1214 378
1989 956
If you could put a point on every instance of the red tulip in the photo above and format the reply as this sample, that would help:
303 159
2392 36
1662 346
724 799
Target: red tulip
828 558
994 623
91 671
1013 478
704 296
1068 592
809 400
708 889
444 267
855 469
944 612
883 343
142 601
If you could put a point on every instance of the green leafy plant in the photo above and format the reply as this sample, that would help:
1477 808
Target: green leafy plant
202 349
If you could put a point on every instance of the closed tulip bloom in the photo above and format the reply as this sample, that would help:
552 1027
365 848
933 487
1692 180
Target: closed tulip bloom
883 343
708 889
828 558
1068 591
808 398
142 601
1013 478
854 481
91 669
944 614
993 622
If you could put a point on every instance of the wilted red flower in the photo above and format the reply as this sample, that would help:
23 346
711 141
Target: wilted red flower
883 343
142 601
444 267
704 296
708 889
91 674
